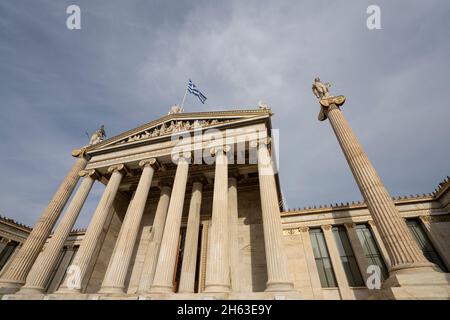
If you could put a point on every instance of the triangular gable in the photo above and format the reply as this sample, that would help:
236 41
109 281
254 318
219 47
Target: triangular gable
178 123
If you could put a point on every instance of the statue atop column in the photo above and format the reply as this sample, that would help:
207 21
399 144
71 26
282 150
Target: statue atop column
321 91
98 136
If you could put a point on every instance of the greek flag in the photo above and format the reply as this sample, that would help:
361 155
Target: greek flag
192 88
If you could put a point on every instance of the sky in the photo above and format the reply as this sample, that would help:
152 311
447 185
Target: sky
131 60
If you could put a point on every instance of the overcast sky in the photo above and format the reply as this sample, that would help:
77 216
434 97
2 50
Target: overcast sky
131 60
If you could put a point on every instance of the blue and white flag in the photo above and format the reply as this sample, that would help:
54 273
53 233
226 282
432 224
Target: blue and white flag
192 88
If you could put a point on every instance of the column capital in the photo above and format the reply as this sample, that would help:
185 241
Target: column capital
89 173
80 153
326 227
349 225
198 178
5 240
263 141
152 162
426 219
329 103
216 149
118 168
303 229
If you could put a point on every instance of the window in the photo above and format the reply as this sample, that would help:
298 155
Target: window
347 257
370 248
6 253
424 243
323 262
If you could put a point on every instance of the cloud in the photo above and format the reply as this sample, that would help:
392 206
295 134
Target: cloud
131 61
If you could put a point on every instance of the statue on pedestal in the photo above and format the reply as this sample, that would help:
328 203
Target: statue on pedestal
98 136
321 92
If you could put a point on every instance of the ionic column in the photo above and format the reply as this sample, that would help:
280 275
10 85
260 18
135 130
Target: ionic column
14 277
114 281
93 232
401 247
341 277
151 256
277 267
187 279
39 275
233 233
217 262
165 268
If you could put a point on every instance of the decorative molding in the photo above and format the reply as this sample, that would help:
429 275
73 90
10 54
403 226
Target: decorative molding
326 227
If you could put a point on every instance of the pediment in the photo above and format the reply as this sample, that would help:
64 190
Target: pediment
178 124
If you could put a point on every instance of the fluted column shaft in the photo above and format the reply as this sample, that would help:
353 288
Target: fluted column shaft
39 275
187 279
277 267
17 271
401 247
87 248
151 256
217 262
233 233
114 281
165 268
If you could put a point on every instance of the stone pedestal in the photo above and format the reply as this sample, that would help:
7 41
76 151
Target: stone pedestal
114 281
14 277
39 275
187 279
73 283
217 262
165 268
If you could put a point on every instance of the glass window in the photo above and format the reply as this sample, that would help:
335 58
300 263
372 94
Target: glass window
424 243
370 248
347 257
323 262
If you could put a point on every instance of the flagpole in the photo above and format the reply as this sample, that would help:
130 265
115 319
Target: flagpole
184 98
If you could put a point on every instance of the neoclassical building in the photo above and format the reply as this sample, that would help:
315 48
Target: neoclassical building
192 209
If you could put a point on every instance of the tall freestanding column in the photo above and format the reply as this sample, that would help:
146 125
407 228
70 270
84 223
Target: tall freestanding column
114 281
165 268
39 275
277 267
401 247
14 277
151 256
218 262
74 282
187 279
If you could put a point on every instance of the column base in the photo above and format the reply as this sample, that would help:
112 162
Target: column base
10 286
68 291
279 286
112 290
161 289
217 288
31 290
416 283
